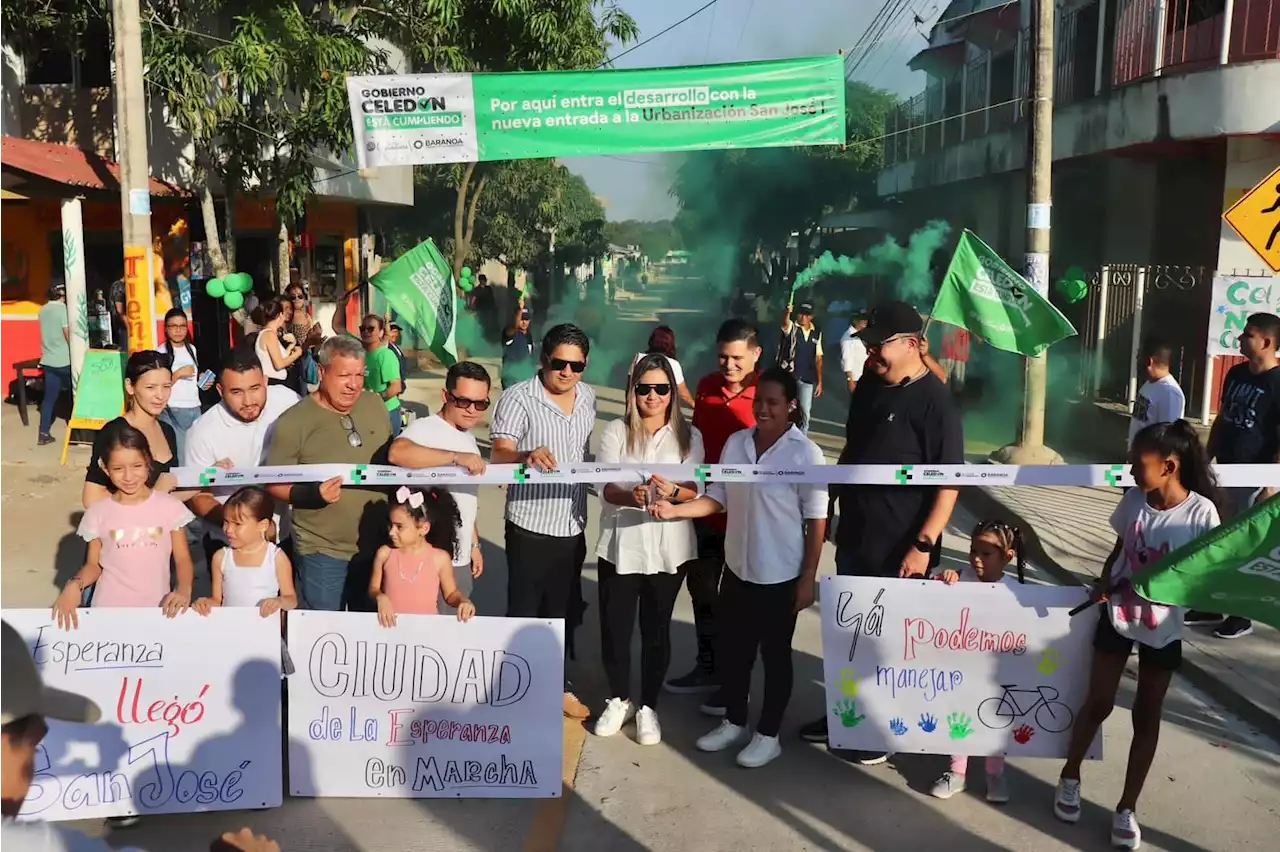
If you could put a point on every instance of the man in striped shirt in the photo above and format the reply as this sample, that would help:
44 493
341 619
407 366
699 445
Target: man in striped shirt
544 422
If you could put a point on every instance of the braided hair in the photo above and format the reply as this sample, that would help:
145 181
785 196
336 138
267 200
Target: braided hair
1010 537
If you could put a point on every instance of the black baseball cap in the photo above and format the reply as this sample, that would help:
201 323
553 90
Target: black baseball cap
805 308
890 319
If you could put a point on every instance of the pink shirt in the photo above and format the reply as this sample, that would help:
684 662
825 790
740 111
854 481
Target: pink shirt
412 582
137 543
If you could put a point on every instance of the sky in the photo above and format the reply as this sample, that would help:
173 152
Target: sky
636 186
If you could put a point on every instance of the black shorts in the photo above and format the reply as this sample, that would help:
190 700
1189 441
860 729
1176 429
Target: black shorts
1108 641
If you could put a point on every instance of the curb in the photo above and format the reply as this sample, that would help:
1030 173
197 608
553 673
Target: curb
984 504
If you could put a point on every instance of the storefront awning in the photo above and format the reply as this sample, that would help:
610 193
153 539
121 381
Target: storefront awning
938 60
63 164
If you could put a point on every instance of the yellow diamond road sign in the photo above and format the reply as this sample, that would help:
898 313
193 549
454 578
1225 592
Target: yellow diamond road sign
1256 218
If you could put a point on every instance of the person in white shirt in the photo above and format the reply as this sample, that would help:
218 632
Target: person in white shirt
641 560
853 352
235 434
1160 399
663 342
184 401
442 440
772 547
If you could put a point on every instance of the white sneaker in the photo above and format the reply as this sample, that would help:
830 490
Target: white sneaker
760 751
725 735
1066 800
617 712
648 731
1125 833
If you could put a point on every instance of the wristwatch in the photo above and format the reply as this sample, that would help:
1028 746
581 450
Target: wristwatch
924 545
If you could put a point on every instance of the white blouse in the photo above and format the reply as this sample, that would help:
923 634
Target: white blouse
631 538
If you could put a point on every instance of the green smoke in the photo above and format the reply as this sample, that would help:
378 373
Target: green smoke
907 267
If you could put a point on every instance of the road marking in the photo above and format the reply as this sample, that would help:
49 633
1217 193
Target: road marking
551 814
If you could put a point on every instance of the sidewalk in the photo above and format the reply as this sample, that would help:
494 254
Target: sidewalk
1068 533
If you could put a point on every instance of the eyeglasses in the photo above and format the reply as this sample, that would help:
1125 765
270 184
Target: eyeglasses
643 389
353 437
464 403
368 329
175 325
558 365
298 297
874 347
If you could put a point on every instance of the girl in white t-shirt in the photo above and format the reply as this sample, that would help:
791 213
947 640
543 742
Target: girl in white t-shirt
1171 506
251 570
993 545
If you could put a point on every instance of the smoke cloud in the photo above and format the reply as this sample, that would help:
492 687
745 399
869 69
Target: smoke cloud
908 267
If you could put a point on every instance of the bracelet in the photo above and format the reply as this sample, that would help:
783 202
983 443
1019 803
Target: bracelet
475 545
77 581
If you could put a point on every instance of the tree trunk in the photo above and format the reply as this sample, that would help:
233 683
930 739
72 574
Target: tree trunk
209 215
461 243
229 211
282 256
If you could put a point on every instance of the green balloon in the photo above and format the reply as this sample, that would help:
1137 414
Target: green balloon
465 283
233 301
466 272
240 282
1073 289
216 287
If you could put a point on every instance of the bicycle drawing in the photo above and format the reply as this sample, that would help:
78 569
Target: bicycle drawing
1051 715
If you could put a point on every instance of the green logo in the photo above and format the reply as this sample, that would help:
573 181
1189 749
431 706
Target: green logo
1113 474
521 474
702 473
208 475
903 474
359 474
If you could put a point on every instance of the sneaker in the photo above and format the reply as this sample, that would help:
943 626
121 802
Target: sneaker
123 821
1234 627
869 758
760 751
1198 617
617 712
725 735
697 680
714 706
44 438
997 789
947 786
575 709
648 731
815 731
1066 800
1125 833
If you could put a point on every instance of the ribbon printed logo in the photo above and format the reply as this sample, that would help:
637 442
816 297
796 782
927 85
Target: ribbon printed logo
360 474
1114 474
521 474
702 473
209 476
903 474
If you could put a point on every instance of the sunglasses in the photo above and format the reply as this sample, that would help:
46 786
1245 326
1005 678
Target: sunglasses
353 437
368 329
464 403
643 389
558 365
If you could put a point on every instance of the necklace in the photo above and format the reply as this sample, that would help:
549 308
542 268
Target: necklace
416 571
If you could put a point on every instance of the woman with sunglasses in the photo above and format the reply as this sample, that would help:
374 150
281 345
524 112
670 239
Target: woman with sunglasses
641 559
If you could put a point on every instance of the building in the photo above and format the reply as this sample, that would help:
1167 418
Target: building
1165 112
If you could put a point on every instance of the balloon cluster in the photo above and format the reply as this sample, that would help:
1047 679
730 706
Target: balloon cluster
230 289
465 281
1072 285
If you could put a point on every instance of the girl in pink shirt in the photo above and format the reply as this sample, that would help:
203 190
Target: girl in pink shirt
132 535
411 574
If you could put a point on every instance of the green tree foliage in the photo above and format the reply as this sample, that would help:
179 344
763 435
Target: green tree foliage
655 239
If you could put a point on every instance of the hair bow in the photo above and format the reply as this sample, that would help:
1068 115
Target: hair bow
413 498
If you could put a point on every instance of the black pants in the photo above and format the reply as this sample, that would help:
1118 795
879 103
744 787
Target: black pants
703 580
544 578
655 594
755 618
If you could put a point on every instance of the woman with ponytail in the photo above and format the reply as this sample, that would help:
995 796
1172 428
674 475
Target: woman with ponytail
774 539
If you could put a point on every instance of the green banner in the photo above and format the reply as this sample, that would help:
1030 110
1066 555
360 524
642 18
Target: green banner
100 391
983 294
452 118
1234 569
419 288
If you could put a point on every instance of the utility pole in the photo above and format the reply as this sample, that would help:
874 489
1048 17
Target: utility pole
1031 449
135 175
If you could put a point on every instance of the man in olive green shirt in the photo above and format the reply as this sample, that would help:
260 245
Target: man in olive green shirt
338 529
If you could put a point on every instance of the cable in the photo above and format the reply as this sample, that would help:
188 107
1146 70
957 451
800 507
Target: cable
935 121
882 16
745 21
889 22
706 48
658 35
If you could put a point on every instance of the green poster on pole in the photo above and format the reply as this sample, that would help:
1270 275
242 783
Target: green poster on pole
100 392
454 118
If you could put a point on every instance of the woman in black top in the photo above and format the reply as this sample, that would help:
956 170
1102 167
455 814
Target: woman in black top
148 381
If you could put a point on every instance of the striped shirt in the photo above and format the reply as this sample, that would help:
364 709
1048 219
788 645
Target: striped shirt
527 415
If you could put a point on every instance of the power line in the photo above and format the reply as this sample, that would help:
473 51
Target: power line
658 35
886 23
916 127
862 41
751 7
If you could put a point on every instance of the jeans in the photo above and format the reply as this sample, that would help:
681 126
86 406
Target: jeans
329 583
56 381
756 618
620 595
397 420
181 419
804 392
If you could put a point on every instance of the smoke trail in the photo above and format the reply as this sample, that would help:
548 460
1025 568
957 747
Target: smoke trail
906 266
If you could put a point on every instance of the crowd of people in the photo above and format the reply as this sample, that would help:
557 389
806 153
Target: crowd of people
748 554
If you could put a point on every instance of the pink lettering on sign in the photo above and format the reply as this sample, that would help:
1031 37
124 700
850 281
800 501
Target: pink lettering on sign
921 631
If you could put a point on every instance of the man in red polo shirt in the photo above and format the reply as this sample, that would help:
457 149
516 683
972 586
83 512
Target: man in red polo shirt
722 405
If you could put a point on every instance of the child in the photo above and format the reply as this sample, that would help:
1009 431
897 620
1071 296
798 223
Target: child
251 570
132 534
410 575
992 546
1172 505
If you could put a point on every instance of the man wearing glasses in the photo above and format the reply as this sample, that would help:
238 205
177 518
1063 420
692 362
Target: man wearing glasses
338 530
900 413
445 439
544 422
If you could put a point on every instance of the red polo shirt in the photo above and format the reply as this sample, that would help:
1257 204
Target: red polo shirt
717 414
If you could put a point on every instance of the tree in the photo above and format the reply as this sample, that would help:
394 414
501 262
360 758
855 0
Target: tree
655 239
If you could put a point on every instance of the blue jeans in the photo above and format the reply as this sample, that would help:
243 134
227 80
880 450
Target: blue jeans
804 392
329 583
397 420
56 380
181 419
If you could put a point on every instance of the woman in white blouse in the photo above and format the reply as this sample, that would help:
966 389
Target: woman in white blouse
640 558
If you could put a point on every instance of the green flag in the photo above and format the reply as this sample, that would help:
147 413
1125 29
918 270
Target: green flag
419 287
1234 569
983 294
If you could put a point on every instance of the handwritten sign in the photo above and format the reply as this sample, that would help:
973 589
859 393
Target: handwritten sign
974 668
139 298
431 708
1233 299
190 713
